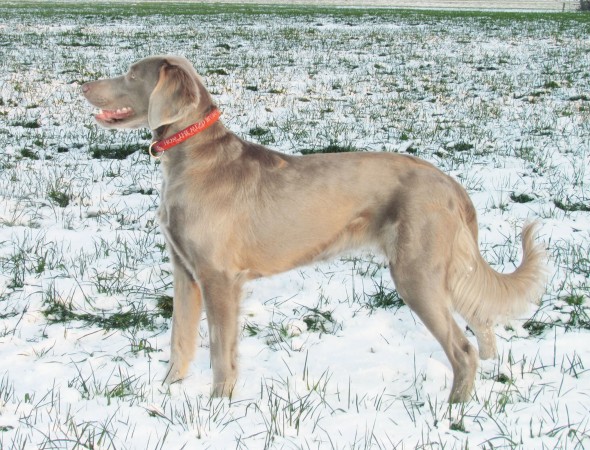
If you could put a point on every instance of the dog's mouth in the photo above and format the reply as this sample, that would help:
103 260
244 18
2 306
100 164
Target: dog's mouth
113 116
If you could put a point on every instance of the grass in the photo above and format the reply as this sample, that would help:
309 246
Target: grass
383 297
180 9
115 152
57 312
572 206
330 148
330 358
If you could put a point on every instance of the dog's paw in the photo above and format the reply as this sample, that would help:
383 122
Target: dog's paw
173 376
223 389
487 353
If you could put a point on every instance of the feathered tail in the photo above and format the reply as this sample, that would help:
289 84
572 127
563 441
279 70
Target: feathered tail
482 295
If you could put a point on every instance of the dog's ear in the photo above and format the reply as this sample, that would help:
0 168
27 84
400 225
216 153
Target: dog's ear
172 97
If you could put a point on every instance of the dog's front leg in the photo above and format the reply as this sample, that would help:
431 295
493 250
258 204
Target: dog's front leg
222 297
187 306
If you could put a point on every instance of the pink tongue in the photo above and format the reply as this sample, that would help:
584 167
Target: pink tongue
113 114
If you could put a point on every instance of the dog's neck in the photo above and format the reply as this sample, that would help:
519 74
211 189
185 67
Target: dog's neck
169 136
165 131
160 133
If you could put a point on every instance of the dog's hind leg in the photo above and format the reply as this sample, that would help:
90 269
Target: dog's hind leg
222 303
432 305
486 339
187 306
419 263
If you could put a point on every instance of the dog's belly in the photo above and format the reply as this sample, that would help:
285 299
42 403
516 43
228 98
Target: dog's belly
301 241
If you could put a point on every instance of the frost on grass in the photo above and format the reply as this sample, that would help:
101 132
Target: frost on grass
330 357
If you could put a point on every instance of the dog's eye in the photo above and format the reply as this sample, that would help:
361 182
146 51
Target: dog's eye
132 76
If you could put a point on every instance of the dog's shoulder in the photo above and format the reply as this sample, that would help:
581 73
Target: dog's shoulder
265 157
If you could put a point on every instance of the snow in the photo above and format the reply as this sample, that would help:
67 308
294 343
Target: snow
367 377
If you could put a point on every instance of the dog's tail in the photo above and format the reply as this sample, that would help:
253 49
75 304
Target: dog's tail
482 295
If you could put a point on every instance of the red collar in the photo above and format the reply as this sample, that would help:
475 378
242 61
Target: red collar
181 136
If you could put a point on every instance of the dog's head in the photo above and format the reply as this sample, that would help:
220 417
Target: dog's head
156 91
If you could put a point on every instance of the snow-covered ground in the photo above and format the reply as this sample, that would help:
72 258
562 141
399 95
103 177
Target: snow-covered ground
532 5
500 104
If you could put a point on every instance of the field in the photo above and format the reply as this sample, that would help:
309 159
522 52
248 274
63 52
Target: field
330 358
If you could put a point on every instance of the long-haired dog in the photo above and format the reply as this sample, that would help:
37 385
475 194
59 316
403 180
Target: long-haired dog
232 211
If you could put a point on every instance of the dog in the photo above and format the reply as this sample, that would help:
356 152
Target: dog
233 211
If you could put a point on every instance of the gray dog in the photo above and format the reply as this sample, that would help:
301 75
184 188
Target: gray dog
232 211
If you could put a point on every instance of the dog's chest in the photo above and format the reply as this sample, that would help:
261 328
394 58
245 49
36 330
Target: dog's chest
188 209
